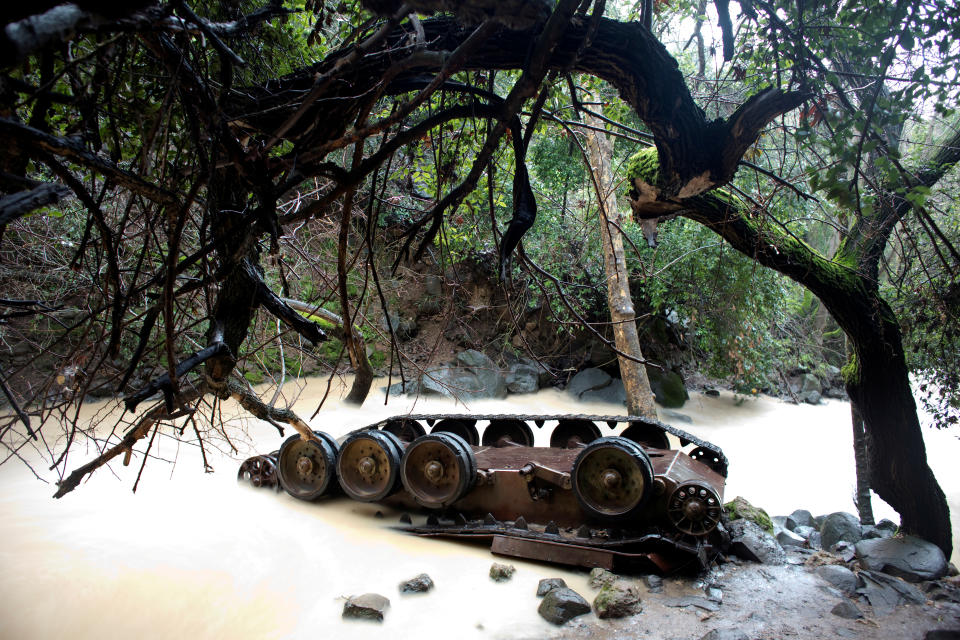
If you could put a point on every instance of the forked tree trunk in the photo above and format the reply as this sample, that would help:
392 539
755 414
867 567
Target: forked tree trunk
864 506
633 373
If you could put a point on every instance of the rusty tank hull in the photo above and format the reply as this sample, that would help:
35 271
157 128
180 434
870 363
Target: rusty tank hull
649 498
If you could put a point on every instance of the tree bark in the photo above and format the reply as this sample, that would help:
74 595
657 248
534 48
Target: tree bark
622 314
862 461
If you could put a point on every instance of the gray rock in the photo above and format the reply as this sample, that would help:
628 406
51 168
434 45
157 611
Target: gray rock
888 526
844 550
691 601
812 397
600 578
714 594
725 634
613 393
910 558
809 382
804 532
490 378
840 577
839 526
617 600
588 380
369 606
421 584
885 592
433 285
803 518
522 378
780 521
654 583
676 416
501 572
667 387
560 605
848 610
814 540
788 538
750 542
548 584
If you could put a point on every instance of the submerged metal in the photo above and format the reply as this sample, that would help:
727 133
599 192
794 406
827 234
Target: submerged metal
619 502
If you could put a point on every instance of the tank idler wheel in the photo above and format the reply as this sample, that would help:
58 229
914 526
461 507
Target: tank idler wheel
368 464
570 434
438 469
261 471
306 467
507 432
405 429
649 435
466 429
694 509
611 478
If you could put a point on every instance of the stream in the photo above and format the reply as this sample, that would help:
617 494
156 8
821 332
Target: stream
197 555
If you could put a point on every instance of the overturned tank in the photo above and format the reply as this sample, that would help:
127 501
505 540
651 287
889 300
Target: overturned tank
626 502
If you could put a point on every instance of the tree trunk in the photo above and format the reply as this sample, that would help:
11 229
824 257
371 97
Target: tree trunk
633 373
860 456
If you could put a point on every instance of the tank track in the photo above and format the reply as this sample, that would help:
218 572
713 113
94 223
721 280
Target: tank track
684 437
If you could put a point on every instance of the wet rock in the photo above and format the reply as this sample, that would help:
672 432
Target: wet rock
788 538
654 583
910 558
725 634
676 416
844 550
369 606
617 600
421 584
780 522
560 605
501 572
750 542
888 526
839 526
885 592
739 507
714 594
846 609
433 285
943 634
840 577
522 378
802 518
809 382
872 532
812 397
600 578
667 387
713 393
692 601
815 540
548 584
613 393
588 380
491 380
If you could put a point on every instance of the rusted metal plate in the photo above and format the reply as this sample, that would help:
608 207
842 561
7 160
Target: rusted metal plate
555 552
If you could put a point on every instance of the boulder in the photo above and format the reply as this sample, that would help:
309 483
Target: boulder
802 518
788 538
487 373
600 578
617 600
560 605
501 572
739 507
420 584
750 542
369 606
588 380
839 526
667 387
910 558
613 393
804 532
811 397
549 584
815 540
809 382
840 577
522 378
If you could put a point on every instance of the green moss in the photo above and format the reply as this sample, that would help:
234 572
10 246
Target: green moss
851 371
740 508
645 165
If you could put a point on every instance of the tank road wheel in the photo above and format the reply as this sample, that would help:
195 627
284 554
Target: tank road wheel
261 471
694 509
646 434
466 429
438 469
368 465
612 478
570 434
406 430
306 467
501 433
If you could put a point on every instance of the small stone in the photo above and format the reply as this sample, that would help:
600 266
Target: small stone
846 609
421 584
654 583
560 605
501 572
369 606
788 538
617 600
714 594
599 578
548 584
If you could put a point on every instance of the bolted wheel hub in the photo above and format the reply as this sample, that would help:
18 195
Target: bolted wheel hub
367 467
304 466
694 509
610 479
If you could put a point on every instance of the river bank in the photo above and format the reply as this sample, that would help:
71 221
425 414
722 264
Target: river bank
196 554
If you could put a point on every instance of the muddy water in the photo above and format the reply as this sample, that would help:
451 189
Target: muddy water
196 555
